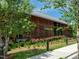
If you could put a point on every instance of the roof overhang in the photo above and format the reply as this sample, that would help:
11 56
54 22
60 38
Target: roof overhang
41 15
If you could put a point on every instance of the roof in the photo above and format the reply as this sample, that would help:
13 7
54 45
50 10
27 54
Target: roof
42 15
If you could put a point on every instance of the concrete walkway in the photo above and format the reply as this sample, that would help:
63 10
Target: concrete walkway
75 56
58 53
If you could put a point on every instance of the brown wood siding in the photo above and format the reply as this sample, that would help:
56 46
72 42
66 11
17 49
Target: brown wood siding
40 29
41 24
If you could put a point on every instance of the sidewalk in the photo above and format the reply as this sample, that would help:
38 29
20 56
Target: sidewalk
75 56
58 53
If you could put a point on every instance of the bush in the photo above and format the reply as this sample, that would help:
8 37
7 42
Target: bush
61 58
12 46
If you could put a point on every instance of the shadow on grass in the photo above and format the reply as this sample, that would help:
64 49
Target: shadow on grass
28 53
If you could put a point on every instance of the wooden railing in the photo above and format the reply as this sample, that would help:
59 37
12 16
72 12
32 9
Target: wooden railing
47 38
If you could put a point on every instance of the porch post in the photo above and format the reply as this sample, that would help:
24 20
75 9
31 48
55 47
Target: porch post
47 47
66 40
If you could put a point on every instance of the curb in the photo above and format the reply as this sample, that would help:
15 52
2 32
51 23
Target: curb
71 54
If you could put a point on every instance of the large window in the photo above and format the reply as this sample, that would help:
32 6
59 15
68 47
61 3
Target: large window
57 29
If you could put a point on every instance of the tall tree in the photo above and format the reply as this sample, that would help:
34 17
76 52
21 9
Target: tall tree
14 18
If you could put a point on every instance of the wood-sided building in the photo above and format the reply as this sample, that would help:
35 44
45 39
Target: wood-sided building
46 27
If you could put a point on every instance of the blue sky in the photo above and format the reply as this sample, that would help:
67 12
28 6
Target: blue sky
50 11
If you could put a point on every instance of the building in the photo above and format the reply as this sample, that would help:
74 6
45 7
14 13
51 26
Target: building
47 27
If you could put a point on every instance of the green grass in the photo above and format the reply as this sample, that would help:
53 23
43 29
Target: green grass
29 53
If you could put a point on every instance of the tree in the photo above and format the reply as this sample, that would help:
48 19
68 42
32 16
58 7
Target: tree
70 10
14 18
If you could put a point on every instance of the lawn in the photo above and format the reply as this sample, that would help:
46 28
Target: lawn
28 53
39 47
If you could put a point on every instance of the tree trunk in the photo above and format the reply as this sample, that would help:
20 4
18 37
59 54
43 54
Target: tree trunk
6 46
3 46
